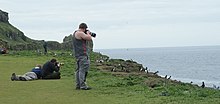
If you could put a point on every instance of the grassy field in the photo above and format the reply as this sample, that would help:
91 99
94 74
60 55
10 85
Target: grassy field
107 89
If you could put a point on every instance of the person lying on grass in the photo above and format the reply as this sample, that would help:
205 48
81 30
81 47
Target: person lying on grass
51 70
34 74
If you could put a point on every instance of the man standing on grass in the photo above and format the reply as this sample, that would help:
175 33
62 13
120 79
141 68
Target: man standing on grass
45 47
80 38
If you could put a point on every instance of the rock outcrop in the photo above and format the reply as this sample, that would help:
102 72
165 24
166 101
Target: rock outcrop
14 39
3 16
68 43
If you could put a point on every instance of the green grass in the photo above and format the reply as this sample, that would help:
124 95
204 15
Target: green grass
107 89
7 30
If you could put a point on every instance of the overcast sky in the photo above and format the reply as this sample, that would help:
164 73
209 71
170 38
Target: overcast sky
120 23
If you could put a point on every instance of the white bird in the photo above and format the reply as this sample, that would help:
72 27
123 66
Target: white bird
113 70
146 71
166 76
214 86
156 72
141 69
169 77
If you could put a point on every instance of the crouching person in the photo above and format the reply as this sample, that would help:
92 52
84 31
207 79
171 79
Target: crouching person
34 74
51 69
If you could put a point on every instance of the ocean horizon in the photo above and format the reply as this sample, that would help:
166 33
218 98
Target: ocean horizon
187 64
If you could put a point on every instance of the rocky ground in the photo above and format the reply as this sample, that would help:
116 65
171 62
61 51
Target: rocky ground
120 67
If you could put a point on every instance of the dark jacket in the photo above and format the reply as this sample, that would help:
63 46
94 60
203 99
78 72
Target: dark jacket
49 68
37 71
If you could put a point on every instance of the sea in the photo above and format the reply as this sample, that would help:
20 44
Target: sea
191 64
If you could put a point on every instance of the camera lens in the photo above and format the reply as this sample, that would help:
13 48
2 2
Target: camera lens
93 34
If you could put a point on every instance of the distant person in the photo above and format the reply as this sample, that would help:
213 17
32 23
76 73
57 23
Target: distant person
203 85
34 74
80 38
45 47
51 70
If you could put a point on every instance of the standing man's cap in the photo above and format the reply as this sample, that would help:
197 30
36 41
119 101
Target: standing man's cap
83 26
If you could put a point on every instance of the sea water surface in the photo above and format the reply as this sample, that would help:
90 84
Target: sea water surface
197 63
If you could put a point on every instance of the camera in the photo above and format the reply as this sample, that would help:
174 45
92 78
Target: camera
61 64
58 64
92 33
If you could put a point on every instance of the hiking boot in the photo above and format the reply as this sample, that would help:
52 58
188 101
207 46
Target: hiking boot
13 77
86 88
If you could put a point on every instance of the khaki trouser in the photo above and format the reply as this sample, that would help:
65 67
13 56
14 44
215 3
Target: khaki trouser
27 76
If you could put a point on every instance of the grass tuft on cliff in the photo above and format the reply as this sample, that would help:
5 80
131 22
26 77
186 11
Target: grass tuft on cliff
11 34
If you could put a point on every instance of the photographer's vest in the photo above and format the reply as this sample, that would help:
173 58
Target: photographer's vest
80 47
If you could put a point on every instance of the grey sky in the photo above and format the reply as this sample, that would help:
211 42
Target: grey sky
120 23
